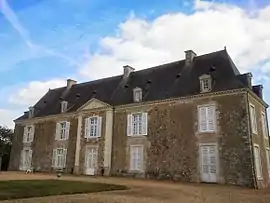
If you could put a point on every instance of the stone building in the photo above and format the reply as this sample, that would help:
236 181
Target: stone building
196 120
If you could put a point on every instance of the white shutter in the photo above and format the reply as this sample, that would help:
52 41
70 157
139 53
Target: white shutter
54 158
30 157
99 126
22 160
67 130
202 119
257 161
32 133
86 127
64 157
144 123
57 131
24 134
211 118
129 125
205 164
132 158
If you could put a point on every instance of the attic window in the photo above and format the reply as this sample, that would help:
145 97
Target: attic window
205 83
64 105
137 94
31 112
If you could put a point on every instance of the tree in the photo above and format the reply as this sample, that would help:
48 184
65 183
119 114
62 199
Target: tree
6 135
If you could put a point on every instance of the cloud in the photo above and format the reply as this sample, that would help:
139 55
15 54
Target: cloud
7 117
141 43
32 92
24 33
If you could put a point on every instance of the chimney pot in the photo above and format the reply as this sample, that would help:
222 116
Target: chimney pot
127 70
190 55
70 83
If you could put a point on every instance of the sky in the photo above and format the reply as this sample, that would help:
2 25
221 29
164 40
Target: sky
45 42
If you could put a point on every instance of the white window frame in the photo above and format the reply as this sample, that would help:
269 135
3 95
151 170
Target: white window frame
258 173
93 127
205 80
137 94
253 119
207 119
22 159
64 105
62 133
264 125
137 127
62 158
141 157
28 136
267 151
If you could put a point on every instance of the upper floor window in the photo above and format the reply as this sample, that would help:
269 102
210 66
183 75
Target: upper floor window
31 112
207 118
137 94
93 127
64 105
137 124
253 119
28 135
59 158
62 130
205 83
264 126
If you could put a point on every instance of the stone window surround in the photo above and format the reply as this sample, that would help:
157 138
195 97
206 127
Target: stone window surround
253 119
214 118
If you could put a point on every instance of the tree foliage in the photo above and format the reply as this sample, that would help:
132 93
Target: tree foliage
6 135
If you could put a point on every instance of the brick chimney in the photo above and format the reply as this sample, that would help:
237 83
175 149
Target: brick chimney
70 83
127 70
190 55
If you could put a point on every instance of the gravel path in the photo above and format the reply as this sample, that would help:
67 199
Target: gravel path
146 191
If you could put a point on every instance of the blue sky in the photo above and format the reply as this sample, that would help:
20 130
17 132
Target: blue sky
44 42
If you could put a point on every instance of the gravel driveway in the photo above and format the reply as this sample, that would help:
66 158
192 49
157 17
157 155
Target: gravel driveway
143 191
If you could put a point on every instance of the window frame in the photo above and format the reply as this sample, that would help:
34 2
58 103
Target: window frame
267 151
207 120
141 158
93 130
28 136
63 157
64 106
141 127
259 176
264 125
60 130
137 94
205 79
253 118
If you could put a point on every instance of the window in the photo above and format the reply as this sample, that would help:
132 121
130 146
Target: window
264 126
136 157
28 134
253 119
137 94
26 159
62 130
93 127
268 160
31 112
207 118
59 158
137 124
64 105
258 165
205 83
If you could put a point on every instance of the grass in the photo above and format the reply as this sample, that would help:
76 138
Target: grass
17 189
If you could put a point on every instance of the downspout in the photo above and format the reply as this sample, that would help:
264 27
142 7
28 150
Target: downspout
251 145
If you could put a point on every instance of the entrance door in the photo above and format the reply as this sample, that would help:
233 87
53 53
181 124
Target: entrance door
91 161
26 159
208 156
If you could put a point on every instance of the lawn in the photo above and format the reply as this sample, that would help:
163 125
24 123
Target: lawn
16 189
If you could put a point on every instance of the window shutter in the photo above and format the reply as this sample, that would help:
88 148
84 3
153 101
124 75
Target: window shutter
99 126
57 132
129 125
210 118
64 157
54 158
22 160
67 130
132 158
32 133
24 134
144 123
30 157
86 127
202 119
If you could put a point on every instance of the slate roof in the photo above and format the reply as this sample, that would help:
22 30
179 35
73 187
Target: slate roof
160 82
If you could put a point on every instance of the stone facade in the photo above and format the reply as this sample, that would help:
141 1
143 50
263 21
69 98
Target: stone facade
171 148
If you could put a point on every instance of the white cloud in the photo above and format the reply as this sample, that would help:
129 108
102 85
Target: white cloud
212 26
31 93
7 116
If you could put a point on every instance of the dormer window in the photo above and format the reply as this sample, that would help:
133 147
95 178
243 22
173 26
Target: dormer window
31 112
205 83
64 105
137 94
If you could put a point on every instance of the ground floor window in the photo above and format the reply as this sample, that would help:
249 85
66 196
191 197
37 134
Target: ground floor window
59 158
26 159
257 158
136 157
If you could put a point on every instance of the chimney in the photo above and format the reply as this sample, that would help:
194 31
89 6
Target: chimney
31 112
70 83
127 70
257 89
190 55
249 79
